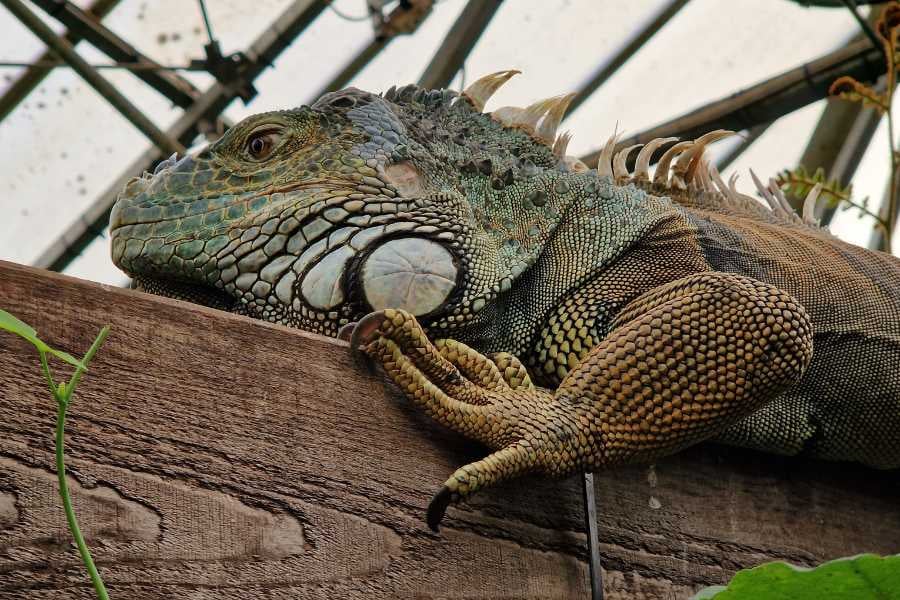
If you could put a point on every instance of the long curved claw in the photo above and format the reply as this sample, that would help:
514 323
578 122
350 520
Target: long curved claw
345 333
438 507
363 334
510 461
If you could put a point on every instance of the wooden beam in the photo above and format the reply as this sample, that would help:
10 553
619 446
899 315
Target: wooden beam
213 456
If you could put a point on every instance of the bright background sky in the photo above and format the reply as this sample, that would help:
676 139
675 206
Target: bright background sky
64 145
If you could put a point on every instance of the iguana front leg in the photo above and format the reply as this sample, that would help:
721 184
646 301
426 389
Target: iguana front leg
682 363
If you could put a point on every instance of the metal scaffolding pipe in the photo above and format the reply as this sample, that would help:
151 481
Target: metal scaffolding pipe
460 40
34 75
177 89
767 100
631 48
64 49
352 69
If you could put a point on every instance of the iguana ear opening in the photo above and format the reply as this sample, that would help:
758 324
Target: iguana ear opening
405 178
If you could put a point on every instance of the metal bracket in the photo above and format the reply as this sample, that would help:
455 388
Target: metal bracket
231 71
590 521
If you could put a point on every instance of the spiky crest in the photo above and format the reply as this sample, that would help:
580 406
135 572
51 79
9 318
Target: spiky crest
683 172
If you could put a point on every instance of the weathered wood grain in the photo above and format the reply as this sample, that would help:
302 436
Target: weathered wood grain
217 457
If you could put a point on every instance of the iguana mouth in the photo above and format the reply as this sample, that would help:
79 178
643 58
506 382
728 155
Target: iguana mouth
189 292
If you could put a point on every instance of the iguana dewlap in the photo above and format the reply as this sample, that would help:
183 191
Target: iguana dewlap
655 313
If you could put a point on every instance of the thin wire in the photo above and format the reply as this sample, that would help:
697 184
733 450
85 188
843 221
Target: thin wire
866 27
353 18
50 64
209 32
347 17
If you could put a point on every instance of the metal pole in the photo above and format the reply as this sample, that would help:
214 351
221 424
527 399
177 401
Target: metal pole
469 26
65 50
352 69
863 23
35 74
841 137
769 99
209 32
590 529
177 89
622 56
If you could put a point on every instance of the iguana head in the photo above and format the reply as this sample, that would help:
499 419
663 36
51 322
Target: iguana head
313 217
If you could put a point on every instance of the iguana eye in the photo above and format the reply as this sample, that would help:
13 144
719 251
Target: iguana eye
261 143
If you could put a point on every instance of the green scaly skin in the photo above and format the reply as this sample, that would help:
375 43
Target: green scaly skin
654 315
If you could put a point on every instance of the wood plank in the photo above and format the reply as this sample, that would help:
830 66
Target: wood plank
213 456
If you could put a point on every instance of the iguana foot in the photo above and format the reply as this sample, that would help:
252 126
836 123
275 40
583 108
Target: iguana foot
492 401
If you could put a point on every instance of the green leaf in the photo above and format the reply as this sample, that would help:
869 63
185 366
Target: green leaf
862 576
11 323
65 356
14 325
799 182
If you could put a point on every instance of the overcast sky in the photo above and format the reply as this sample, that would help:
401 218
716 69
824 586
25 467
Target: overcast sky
64 145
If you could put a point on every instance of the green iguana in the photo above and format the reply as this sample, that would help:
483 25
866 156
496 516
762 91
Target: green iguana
657 313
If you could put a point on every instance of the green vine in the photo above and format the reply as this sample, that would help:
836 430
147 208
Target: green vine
63 393
887 28
799 182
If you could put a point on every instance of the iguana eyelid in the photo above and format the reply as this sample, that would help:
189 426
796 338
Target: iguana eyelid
262 131
266 128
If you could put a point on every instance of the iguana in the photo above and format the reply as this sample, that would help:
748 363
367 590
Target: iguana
584 318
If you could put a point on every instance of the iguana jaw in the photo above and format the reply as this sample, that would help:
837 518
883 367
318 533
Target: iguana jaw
309 254
195 294
204 244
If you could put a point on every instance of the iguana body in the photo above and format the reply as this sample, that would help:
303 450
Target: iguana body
662 313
